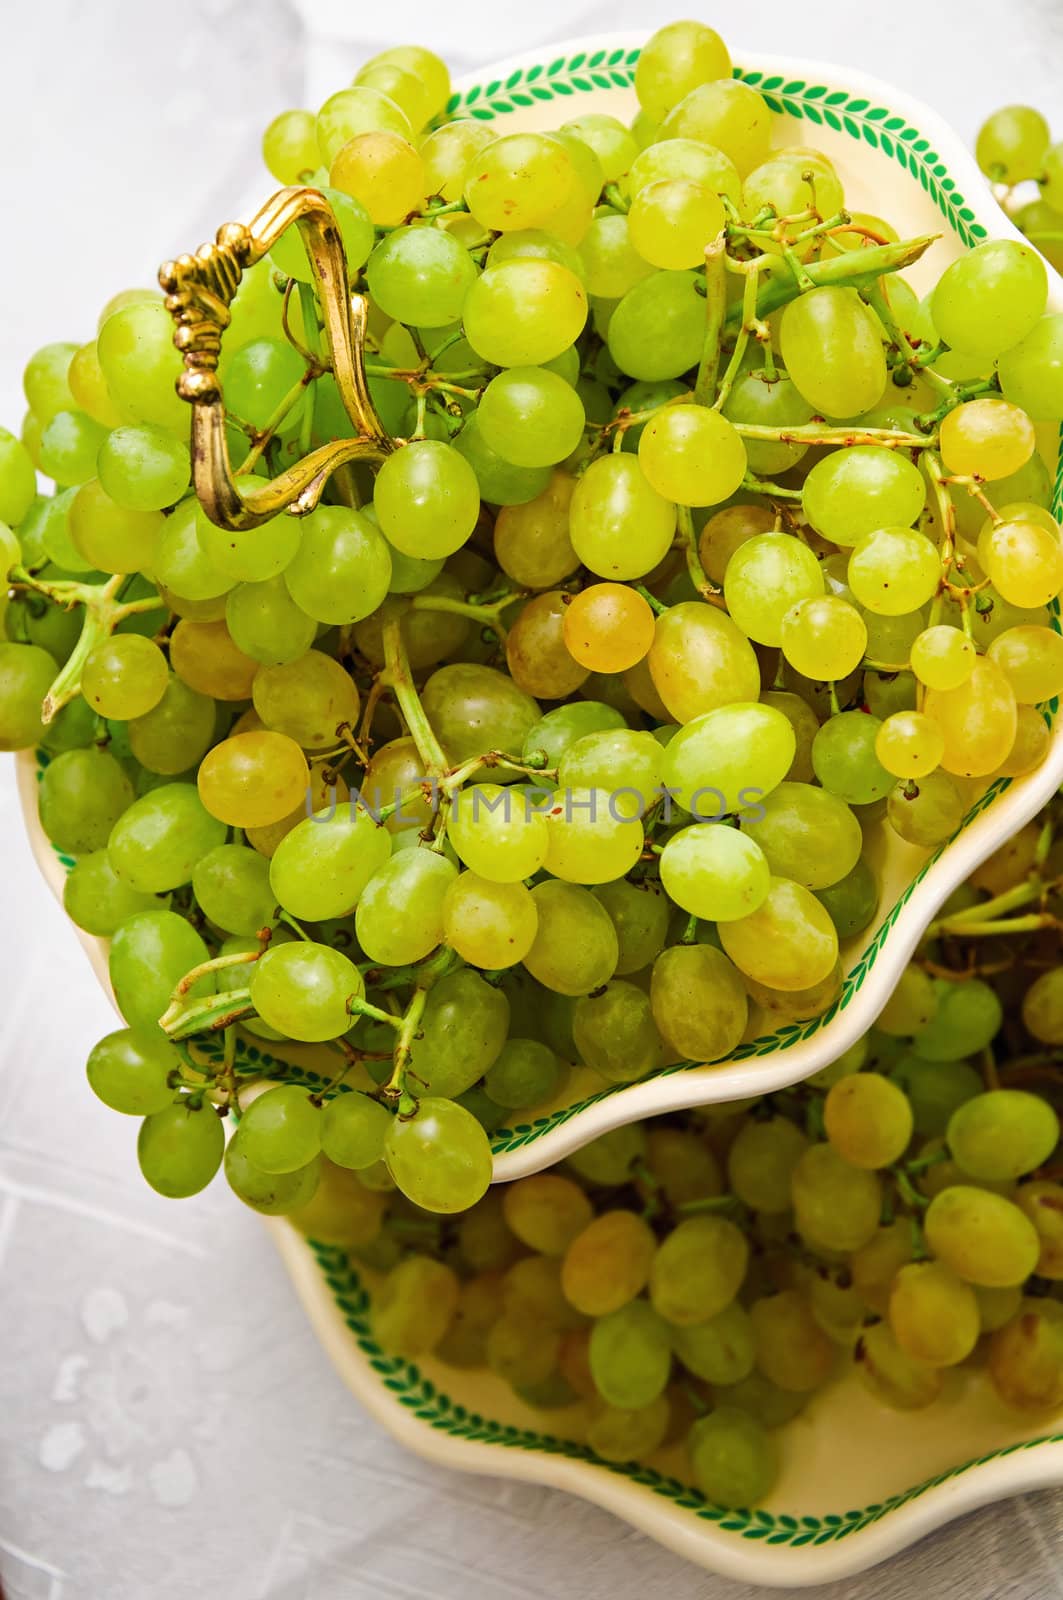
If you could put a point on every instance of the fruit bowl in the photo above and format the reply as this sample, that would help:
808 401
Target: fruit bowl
859 1482
894 156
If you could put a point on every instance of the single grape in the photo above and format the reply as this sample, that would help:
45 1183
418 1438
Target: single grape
699 1002
253 779
180 1148
130 1072
1004 1133
832 350
984 1238
440 1157
302 990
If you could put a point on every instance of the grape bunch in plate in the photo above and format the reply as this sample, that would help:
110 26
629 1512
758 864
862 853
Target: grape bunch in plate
687 542
681 1289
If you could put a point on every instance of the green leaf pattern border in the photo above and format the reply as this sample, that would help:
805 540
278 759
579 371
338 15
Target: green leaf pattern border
818 104
409 1388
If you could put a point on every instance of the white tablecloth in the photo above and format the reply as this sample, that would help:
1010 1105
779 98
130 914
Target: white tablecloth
168 1424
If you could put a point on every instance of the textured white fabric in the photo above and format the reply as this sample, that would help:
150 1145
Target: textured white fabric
168 1424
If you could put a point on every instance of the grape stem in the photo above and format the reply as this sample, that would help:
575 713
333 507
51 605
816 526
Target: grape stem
395 1088
812 433
751 272
658 607
103 612
358 1007
212 1015
489 616
715 310
854 270
399 678
698 576
263 437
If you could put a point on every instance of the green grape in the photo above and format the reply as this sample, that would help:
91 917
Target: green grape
607 1263
894 571
909 744
273 1194
353 1130
150 954
765 577
250 555
619 525
420 276
992 437
726 114
112 537
473 709
427 500
425 66
934 1089
630 1355
833 351
1040 221
1025 1358
761 1161
501 482
176 732
524 1073
700 660
69 446
125 676
805 833
358 110
1031 658
675 60
714 872
639 914
155 843
439 1158
232 885
320 869
531 417
400 912
179 561
280 1130
732 1457
698 1270
685 158
868 1120
851 903
1004 1133
792 1350
576 947
342 1209
289 146
141 365
1012 143
73 728
658 329
289 255
788 943
414 1306
411 574
1023 560
55 533
446 154
130 1072
589 838
845 762
536 243
673 221
763 1400
45 380
823 637
692 455
381 169
98 901
520 180
1042 1007
942 657
984 1238
618 1434
180 1148
792 183
891 1374
912 1004
720 1350
699 1002
342 569
524 1353
81 796
496 834
266 624
967 1017
615 1033
836 1205
18 482
768 400
931 815
608 138
611 1159
990 298
546 1212
623 762
524 311
143 468
555 734
306 699
609 261
728 759
681 1165
463 1029
302 990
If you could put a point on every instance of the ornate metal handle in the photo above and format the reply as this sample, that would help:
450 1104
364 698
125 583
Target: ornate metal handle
199 290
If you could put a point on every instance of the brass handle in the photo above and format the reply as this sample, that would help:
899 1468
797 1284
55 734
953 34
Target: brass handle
199 290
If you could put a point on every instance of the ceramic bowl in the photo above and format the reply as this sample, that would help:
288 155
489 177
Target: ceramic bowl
859 1482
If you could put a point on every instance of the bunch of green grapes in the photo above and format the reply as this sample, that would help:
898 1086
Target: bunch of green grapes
549 738
679 1290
